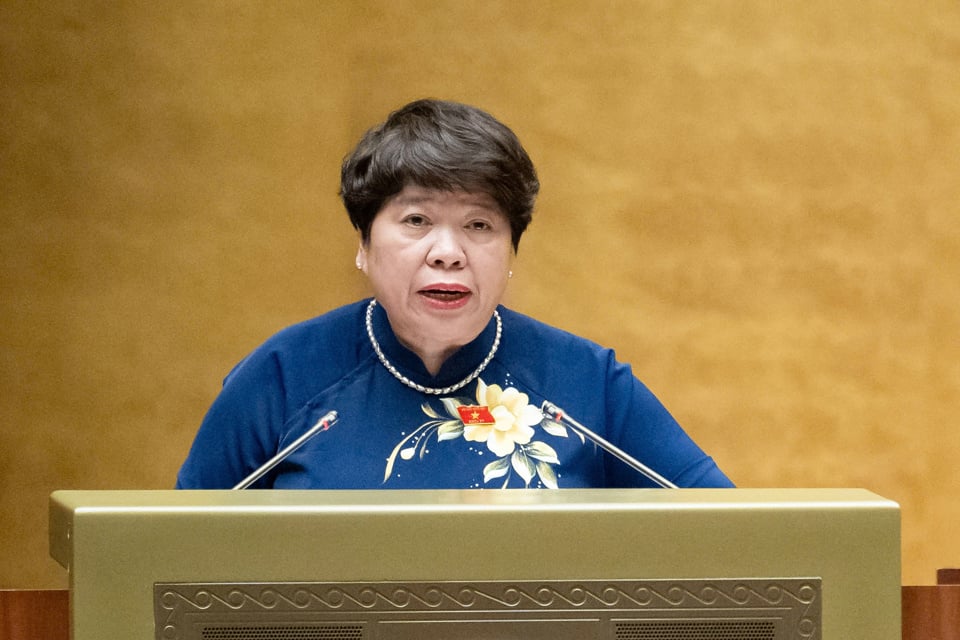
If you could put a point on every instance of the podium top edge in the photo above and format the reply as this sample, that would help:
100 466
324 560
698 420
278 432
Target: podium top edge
599 499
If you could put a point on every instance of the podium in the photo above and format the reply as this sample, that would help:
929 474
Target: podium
531 564
928 612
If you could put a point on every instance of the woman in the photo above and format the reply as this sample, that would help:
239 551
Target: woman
437 385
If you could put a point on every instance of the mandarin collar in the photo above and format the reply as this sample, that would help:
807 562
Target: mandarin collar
458 366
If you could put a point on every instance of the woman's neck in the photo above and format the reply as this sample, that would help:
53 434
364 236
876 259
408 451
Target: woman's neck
432 358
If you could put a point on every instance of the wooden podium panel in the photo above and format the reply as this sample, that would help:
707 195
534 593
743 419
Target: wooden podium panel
931 612
34 614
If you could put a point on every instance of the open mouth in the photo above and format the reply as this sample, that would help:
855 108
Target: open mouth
444 295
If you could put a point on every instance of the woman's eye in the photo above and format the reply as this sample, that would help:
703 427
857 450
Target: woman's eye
479 225
415 220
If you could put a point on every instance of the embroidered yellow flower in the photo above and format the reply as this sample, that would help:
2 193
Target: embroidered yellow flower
514 419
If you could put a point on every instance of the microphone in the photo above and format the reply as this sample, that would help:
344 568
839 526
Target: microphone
558 415
322 425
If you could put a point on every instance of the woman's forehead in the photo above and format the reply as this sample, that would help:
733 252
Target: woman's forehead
416 194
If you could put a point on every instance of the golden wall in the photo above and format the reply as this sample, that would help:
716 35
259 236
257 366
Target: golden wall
756 203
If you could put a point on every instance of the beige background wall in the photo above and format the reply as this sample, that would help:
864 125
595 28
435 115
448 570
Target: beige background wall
757 203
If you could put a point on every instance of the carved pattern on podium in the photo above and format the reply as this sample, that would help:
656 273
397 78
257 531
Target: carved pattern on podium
795 603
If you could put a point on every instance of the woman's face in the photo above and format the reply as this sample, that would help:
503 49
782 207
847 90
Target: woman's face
439 263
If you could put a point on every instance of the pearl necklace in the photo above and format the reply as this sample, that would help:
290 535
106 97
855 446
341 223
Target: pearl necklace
419 387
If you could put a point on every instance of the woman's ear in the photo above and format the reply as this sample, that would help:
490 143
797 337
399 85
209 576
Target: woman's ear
362 257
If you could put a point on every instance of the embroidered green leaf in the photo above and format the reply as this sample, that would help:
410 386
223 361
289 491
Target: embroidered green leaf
451 404
554 428
541 451
427 409
547 476
523 465
496 469
450 430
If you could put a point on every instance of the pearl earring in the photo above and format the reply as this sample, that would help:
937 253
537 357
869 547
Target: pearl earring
509 274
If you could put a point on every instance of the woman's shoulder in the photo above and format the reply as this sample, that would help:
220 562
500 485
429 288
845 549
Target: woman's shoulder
329 325
563 367
321 346
534 344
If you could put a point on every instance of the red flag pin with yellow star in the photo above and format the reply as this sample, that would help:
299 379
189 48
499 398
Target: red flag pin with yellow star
475 415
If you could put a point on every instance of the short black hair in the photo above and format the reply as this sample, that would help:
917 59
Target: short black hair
442 145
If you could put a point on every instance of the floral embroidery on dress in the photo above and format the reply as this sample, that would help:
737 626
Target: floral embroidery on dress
503 420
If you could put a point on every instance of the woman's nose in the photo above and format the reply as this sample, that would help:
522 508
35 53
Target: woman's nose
446 250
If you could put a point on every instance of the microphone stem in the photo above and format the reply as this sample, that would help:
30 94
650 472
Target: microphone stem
322 425
557 414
